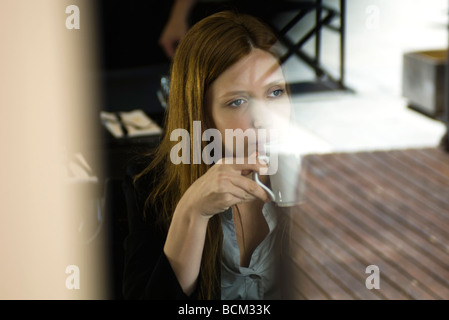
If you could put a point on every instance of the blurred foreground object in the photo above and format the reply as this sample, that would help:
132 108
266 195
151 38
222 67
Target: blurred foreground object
46 98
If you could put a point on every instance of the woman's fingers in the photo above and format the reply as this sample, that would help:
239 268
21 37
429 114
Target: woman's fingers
251 187
245 167
226 196
238 194
224 186
236 173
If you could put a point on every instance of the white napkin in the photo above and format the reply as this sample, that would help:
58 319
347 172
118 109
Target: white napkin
137 123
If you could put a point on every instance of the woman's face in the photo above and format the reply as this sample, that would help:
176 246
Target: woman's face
251 94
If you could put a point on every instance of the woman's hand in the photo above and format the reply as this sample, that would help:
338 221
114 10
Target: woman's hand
222 186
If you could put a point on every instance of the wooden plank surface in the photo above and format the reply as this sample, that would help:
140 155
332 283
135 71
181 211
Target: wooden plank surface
386 208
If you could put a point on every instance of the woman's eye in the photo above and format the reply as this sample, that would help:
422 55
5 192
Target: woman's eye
277 93
237 103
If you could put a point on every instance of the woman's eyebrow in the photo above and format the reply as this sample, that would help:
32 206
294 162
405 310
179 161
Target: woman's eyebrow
233 93
275 82
246 93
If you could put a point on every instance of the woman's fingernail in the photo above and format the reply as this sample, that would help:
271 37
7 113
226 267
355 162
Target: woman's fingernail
263 161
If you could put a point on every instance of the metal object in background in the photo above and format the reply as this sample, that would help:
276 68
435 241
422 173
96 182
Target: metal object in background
324 18
423 78
162 92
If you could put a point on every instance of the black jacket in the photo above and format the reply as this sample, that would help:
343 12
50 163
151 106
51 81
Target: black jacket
147 272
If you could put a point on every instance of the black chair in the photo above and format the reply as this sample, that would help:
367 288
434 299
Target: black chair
325 17
116 229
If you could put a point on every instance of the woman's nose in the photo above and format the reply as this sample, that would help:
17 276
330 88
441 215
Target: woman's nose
259 115
258 123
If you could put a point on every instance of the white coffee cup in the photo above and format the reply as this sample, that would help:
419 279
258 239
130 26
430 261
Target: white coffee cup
286 172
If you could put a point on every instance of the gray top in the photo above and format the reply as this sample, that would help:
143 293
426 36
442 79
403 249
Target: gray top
260 280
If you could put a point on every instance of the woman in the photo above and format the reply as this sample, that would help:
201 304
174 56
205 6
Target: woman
209 231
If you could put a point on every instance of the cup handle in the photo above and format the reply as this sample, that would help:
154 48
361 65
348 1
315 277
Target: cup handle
270 193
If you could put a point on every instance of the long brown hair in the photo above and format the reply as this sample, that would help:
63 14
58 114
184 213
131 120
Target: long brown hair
209 48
